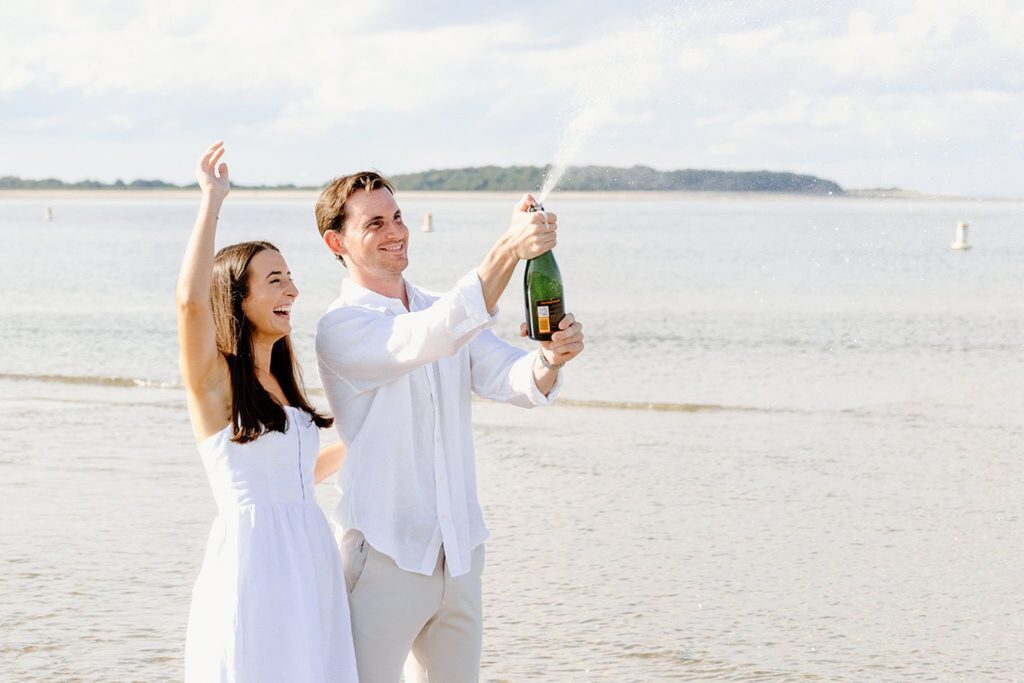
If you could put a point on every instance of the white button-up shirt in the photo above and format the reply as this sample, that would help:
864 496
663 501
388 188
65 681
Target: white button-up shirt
398 383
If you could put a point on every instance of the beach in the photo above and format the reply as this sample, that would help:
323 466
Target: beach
789 452
635 545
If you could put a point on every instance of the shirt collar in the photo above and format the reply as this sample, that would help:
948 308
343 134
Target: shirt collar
356 295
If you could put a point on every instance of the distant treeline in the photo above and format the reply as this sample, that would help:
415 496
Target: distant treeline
521 179
11 182
611 179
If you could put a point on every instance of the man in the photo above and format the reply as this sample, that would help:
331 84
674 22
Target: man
399 366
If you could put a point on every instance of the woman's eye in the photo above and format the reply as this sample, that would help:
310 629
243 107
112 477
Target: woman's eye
275 281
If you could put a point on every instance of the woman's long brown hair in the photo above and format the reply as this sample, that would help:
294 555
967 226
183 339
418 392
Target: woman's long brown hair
253 410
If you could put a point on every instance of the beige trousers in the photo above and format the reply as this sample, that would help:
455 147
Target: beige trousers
433 625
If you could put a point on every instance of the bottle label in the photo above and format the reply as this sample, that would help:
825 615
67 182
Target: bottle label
549 314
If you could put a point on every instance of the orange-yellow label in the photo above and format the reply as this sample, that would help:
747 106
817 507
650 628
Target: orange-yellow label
543 319
549 313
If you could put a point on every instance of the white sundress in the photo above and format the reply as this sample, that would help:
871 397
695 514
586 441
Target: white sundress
270 602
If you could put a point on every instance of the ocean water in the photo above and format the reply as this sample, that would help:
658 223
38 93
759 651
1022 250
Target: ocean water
790 451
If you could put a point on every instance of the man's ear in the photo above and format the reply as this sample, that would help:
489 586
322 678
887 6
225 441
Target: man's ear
332 238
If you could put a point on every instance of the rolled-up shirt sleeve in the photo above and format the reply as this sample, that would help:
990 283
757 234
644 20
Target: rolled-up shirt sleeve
366 347
503 372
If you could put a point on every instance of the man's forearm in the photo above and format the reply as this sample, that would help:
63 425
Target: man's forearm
495 272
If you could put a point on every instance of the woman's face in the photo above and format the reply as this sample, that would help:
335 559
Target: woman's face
268 306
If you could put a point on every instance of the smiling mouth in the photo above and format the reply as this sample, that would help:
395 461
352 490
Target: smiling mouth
283 312
394 248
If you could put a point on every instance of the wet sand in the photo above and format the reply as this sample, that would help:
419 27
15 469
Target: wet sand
627 544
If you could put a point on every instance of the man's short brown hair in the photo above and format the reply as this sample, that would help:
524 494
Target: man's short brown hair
330 207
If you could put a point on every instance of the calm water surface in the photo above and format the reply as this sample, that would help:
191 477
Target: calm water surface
832 491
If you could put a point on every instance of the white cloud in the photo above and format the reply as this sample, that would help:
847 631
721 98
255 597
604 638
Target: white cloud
837 91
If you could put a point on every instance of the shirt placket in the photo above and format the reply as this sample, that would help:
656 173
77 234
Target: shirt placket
443 491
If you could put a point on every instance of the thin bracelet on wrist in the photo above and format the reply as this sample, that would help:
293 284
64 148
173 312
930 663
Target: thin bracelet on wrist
548 364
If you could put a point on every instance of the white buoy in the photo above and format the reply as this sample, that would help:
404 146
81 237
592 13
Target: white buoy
428 222
961 237
48 215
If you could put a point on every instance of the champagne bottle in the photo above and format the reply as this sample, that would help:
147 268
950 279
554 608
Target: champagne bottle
542 288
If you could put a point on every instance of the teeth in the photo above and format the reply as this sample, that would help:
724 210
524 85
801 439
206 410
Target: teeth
283 309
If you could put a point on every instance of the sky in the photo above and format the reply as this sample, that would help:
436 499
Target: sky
924 95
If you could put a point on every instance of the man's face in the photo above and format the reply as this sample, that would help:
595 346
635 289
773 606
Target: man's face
374 240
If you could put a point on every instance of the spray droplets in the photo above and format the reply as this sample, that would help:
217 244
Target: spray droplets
636 65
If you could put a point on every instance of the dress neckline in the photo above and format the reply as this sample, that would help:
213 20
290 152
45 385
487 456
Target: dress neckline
227 427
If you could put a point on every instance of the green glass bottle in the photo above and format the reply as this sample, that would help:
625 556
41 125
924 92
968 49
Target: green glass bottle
542 289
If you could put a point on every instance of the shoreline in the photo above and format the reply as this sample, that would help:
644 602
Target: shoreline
63 387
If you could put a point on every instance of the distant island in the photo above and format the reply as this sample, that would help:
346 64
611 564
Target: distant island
11 182
520 179
612 179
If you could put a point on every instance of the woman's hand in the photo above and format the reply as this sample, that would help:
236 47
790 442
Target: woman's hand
213 181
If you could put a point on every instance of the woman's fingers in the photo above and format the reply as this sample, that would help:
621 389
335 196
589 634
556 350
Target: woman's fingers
211 173
208 164
204 162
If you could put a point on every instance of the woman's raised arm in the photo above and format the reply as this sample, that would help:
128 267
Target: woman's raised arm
200 361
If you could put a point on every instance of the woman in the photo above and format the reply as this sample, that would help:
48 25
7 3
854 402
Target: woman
270 602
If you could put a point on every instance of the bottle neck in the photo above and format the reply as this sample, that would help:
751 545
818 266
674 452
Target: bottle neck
546 257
